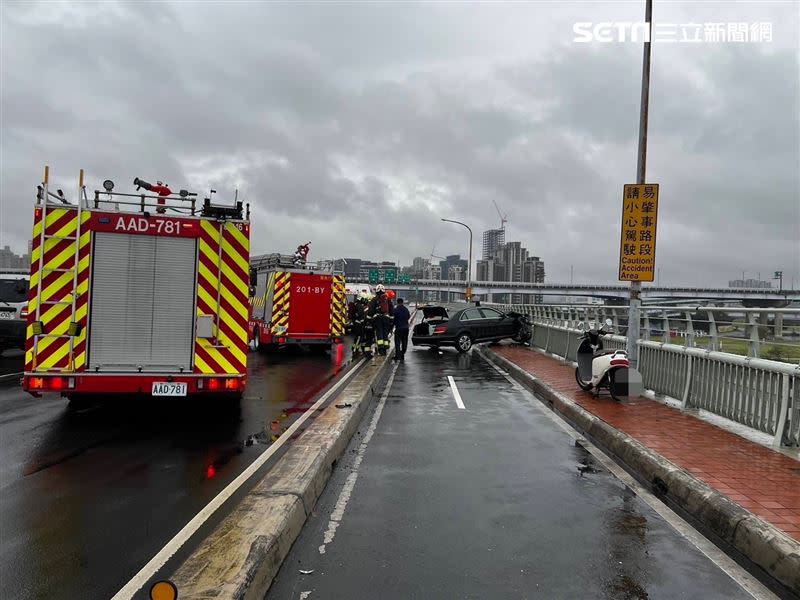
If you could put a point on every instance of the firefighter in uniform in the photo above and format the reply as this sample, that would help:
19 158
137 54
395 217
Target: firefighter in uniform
359 329
381 312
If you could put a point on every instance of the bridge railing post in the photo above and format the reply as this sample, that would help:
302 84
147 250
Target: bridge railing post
615 320
688 339
713 343
645 335
754 342
665 325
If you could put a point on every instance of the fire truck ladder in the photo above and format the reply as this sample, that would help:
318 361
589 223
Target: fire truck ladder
43 237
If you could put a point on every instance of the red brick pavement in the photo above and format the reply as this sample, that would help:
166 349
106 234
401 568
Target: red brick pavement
765 482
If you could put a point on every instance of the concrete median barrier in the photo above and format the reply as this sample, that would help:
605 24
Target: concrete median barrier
749 539
239 559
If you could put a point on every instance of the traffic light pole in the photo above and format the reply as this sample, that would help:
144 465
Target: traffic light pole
635 303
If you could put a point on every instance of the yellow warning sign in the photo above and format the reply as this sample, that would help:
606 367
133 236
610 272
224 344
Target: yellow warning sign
637 244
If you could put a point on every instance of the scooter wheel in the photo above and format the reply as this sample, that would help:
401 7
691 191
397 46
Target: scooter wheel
611 387
585 386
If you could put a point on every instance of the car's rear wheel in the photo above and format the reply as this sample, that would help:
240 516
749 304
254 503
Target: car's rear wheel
463 342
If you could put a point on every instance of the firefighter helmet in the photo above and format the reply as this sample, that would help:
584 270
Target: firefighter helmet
379 288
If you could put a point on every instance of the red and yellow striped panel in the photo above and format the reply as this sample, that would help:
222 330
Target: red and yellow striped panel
54 350
223 285
280 302
338 306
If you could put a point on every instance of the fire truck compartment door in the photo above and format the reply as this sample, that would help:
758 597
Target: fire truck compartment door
142 303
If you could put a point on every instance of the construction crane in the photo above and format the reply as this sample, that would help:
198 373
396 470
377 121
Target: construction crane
434 256
503 218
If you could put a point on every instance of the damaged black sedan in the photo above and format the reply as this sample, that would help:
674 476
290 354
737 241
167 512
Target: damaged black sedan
469 326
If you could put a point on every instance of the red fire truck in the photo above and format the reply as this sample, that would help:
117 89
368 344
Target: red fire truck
137 293
296 302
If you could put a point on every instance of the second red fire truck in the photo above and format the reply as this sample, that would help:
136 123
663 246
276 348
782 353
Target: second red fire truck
295 302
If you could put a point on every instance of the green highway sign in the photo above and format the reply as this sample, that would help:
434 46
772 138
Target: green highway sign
390 276
374 276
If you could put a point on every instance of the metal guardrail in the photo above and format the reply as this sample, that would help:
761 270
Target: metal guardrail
761 394
772 333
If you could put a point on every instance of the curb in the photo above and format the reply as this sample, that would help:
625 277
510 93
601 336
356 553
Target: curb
762 545
242 555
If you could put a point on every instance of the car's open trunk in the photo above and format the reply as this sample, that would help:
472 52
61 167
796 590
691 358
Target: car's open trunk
431 317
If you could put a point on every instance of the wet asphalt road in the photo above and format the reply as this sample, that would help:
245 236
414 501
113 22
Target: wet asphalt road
88 497
492 501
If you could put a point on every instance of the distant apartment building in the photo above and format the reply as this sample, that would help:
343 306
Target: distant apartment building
10 260
432 271
511 262
492 240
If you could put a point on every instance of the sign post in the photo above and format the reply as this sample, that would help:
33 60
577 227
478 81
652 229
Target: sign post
635 303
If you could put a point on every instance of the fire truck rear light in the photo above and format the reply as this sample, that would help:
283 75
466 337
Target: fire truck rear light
213 384
232 384
23 313
281 340
440 330
51 383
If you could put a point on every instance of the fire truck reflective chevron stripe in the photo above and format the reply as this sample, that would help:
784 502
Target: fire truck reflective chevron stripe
52 291
338 306
223 278
280 300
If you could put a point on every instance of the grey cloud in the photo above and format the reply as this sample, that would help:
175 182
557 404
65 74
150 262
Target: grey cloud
331 118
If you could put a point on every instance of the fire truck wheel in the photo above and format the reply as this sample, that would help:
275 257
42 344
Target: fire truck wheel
256 340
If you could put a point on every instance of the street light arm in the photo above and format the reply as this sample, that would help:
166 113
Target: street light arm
459 223
469 263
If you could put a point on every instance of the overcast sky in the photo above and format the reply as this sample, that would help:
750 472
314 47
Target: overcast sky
358 125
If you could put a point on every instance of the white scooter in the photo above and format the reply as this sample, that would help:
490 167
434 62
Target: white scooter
605 369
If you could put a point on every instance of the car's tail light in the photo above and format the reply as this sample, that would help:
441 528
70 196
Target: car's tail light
620 362
440 330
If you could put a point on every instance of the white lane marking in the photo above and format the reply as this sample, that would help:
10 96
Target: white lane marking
456 394
160 559
746 581
304 595
344 496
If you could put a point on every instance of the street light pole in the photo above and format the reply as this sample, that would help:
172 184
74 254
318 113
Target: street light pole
469 264
641 169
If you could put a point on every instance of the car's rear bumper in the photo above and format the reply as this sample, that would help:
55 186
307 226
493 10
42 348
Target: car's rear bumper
432 340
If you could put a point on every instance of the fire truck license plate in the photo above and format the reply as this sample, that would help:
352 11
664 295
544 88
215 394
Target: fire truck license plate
169 388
